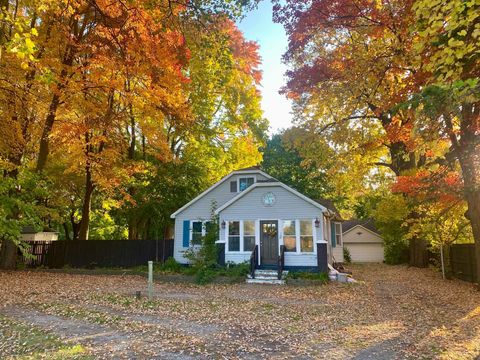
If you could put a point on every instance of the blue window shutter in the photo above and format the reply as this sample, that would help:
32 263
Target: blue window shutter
186 233
334 239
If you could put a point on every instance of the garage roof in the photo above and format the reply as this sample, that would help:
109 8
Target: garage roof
367 224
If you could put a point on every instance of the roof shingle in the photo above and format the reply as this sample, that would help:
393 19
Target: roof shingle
367 224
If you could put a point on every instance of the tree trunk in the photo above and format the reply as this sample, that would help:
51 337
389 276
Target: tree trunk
67 231
467 150
47 129
472 195
132 229
87 204
8 255
52 110
131 150
473 201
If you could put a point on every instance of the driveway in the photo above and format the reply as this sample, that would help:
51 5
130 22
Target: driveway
394 312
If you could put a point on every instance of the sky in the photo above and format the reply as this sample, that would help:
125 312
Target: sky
259 26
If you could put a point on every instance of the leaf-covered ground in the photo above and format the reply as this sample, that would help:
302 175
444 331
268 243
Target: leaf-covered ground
394 312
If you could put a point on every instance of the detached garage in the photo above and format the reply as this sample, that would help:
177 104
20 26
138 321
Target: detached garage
363 241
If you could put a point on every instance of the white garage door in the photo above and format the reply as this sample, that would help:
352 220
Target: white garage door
365 252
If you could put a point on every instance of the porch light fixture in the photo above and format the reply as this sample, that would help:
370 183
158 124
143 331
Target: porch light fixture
317 223
223 224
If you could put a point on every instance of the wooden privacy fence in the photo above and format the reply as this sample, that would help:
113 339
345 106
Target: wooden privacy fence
463 262
99 253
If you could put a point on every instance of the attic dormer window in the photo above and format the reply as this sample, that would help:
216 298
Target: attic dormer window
245 182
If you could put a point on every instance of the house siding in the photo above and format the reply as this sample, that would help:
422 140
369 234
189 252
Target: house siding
366 236
337 253
286 205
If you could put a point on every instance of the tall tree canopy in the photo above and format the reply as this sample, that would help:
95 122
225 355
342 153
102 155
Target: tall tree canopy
102 100
395 82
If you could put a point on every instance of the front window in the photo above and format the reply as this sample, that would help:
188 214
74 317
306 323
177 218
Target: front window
234 236
248 235
306 236
338 233
289 236
197 232
244 183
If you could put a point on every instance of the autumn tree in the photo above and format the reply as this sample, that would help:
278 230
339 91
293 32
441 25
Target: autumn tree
448 107
352 67
97 96
226 129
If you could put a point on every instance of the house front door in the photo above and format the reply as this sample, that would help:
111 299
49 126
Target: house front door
268 242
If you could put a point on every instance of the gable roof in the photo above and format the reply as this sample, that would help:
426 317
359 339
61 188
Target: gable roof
272 182
250 170
368 224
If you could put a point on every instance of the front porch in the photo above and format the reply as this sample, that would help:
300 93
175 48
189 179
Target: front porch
275 273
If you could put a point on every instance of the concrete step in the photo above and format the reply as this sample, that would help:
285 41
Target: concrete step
263 277
266 281
267 274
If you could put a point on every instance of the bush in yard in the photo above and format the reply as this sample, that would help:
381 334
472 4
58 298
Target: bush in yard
171 265
203 259
235 270
205 275
309 275
346 255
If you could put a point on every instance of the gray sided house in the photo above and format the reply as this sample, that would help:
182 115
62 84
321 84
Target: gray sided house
256 211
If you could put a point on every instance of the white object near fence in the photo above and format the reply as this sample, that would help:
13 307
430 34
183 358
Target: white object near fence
150 280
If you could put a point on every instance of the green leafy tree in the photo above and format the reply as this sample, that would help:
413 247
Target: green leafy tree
19 207
283 161
391 214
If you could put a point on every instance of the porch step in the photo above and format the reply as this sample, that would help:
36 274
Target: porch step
266 277
266 281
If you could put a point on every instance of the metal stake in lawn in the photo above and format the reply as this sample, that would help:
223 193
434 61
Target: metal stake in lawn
150 280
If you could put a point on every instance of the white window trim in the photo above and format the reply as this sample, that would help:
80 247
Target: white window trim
297 237
281 236
341 234
320 233
245 177
204 232
313 238
327 232
242 231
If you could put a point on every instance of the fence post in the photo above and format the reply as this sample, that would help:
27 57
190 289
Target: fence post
150 280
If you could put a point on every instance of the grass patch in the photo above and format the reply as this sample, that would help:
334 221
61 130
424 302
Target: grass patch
115 299
321 277
202 275
20 341
75 352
